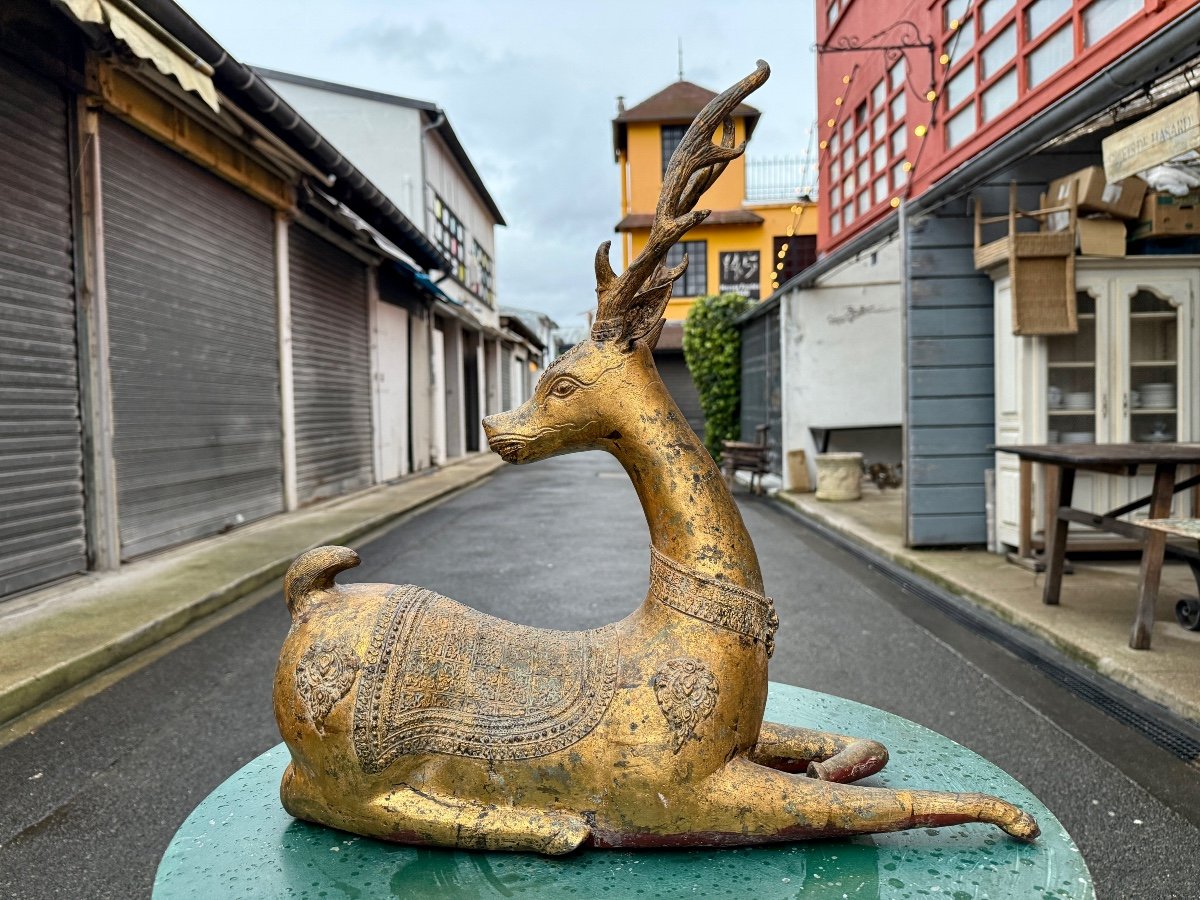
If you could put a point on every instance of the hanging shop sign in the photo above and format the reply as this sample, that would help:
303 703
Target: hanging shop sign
740 273
1153 139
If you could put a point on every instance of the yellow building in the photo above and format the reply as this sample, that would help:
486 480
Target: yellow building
745 246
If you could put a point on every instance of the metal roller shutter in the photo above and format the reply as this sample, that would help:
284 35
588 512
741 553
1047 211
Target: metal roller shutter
506 367
41 455
331 362
193 347
761 395
678 379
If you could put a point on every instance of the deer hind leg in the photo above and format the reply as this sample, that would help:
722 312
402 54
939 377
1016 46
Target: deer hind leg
821 754
747 803
408 815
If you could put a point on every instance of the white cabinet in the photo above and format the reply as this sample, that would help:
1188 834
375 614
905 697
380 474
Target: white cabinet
1129 374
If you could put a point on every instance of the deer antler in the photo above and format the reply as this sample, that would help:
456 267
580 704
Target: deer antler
630 305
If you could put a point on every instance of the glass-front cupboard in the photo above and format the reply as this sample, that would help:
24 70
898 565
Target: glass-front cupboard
1128 374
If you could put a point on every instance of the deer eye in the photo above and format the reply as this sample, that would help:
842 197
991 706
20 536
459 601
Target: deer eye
564 387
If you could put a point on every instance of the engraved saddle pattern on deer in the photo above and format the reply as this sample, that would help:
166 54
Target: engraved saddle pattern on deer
442 677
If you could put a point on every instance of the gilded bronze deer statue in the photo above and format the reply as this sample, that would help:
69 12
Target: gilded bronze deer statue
412 718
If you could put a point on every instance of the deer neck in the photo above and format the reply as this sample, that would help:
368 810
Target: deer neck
693 520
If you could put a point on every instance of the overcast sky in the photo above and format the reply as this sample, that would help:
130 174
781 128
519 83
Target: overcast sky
530 87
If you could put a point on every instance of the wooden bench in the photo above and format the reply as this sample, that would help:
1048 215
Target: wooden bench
749 456
1187 610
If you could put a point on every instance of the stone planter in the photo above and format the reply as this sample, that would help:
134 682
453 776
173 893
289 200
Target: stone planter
839 476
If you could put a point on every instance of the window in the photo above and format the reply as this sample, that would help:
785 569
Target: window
896 74
898 107
450 237
992 12
899 141
1041 14
1000 96
961 86
671 136
1102 17
961 125
835 223
482 283
879 126
693 282
863 144
880 189
994 55
860 114
878 96
879 158
800 254
899 175
1054 53
953 11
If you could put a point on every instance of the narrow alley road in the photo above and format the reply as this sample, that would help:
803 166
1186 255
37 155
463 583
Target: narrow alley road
90 799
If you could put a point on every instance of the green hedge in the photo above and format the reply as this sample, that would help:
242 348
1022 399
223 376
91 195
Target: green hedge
712 346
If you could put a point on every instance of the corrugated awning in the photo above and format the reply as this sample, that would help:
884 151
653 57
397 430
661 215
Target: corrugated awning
147 41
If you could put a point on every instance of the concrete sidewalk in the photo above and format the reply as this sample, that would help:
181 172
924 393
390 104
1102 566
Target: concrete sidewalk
60 636
1091 623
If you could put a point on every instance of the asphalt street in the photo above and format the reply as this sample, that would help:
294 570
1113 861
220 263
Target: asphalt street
89 800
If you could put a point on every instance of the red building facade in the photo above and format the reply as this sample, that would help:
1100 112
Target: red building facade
934 82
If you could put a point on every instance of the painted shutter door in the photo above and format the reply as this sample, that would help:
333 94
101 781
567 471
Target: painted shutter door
331 362
678 379
41 475
506 367
193 346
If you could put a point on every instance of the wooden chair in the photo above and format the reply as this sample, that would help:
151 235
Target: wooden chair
750 456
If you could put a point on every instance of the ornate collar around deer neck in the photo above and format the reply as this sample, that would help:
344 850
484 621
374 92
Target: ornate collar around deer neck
712 600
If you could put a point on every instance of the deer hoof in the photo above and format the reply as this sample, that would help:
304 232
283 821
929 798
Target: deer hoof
1023 827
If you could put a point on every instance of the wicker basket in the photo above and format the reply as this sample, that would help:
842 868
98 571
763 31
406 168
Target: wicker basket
1040 265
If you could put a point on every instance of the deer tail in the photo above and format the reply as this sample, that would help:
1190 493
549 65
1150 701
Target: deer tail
312 572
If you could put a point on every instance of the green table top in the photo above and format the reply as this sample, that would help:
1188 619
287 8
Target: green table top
239 842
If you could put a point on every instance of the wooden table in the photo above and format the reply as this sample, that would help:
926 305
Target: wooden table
1062 461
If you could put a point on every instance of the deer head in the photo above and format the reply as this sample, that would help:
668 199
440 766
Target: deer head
591 395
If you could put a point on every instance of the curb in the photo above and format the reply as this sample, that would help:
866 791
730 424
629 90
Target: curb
23 696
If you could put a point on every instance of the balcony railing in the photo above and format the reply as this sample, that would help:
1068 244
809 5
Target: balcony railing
780 179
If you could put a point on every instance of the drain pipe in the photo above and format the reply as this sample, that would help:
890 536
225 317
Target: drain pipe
249 90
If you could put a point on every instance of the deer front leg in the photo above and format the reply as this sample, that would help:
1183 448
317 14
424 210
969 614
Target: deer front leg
821 754
408 815
747 803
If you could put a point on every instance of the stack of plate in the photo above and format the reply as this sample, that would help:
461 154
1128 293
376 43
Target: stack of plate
1156 395
1079 400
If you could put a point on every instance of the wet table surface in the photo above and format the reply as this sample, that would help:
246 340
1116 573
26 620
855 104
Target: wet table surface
239 842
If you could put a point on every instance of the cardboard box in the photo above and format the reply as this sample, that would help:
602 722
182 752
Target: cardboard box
1100 237
1093 194
1165 215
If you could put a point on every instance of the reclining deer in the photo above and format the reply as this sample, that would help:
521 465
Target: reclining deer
467 731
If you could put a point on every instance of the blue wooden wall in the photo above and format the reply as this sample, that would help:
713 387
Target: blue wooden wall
950 377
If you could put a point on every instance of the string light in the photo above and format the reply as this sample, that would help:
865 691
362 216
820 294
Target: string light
830 123
920 131
954 23
895 202
931 96
944 59
824 145
845 79
907 166
837 101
